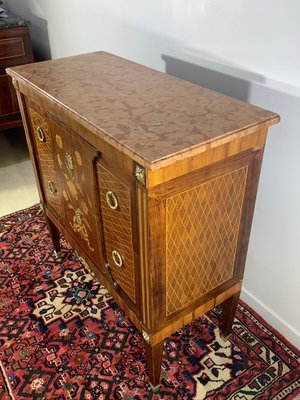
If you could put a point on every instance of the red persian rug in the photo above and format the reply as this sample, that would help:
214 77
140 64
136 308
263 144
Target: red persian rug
63 337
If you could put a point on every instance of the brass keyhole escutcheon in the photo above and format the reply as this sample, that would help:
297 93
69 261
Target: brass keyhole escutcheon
78 218
117 258
40 134
51 187
112 200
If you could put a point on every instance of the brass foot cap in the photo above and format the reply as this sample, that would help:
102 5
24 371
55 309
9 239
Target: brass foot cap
58 254
154 389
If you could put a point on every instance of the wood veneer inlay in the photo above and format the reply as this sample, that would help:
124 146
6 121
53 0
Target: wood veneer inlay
202 226
46 159
117 229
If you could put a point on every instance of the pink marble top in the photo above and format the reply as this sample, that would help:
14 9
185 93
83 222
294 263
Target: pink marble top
153 115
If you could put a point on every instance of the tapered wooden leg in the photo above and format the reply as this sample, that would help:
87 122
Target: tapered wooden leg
154 357
54 234
229 309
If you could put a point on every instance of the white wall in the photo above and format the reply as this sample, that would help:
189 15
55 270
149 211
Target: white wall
248 49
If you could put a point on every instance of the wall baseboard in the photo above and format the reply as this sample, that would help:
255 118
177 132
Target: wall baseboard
278 323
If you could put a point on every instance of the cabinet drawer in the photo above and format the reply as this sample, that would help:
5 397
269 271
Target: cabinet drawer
15 47
42 141
11 47
116 222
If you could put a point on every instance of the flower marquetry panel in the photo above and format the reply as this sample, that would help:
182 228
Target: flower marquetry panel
74 161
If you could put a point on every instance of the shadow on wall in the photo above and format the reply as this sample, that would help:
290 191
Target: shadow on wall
274 242
226 83
40 38
38 30
244 85
271 95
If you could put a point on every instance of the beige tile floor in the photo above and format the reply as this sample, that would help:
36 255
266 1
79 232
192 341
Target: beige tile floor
17 183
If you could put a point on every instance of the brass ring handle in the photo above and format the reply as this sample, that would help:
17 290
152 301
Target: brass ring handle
40 134
51 187
69 161
111 200
117 258
78 218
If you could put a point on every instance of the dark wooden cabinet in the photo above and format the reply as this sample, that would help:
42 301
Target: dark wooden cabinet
15 49
151 179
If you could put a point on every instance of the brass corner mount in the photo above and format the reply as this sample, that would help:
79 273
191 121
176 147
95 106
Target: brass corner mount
140 174
146 336
15 83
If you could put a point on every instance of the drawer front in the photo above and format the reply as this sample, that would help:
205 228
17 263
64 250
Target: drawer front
15 47
74 159
42 141
117 229
11 47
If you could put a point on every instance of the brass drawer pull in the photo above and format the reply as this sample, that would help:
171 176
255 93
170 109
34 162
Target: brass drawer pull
112 200
78 218
40 134
117 258
69 161
51 187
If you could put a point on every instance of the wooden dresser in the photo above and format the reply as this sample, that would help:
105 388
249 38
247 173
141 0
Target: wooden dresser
15 49
151 179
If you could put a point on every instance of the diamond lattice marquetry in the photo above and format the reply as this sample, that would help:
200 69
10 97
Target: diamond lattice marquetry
202 226
45 155
117 229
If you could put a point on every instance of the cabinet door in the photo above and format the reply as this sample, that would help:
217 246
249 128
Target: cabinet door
43 147
75 164
117 221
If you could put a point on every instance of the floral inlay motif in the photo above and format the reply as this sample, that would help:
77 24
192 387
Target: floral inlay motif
77 199
59 141
78 158
80 224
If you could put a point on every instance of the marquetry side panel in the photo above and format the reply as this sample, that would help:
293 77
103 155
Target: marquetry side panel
202 226
44 151
117 229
